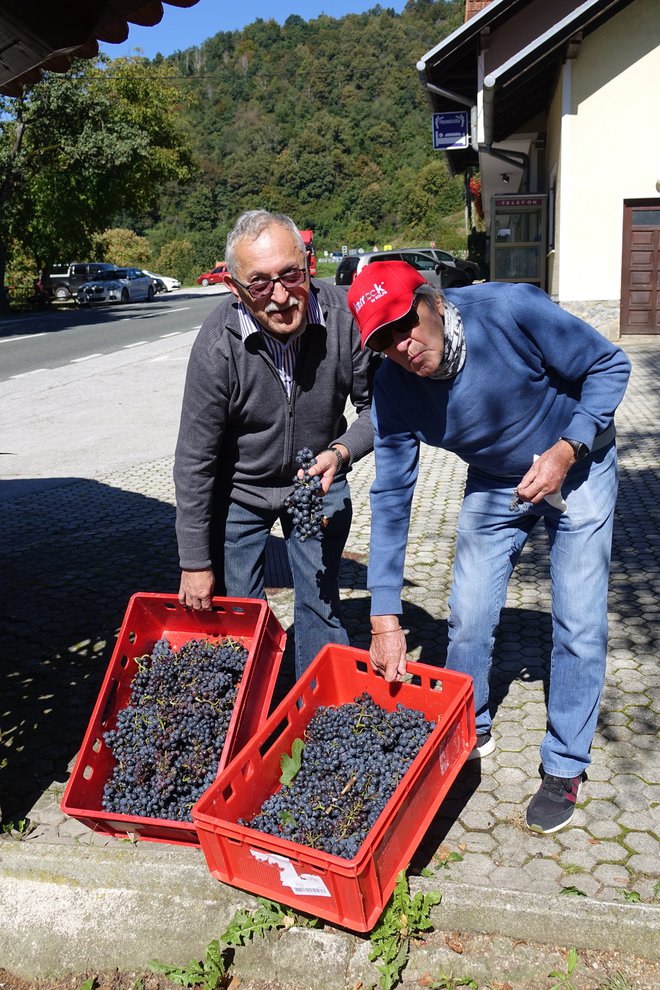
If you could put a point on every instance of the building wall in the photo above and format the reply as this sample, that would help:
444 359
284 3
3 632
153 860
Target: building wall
609 150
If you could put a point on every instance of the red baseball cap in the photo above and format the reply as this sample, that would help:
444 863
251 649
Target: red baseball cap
382 293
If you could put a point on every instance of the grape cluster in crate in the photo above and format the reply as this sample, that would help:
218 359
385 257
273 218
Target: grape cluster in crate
343 774
168 740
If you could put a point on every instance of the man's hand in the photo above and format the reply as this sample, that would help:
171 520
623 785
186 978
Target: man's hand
196 589
327 466
547 474
388 647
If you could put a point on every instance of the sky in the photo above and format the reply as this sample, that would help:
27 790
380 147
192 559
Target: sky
182 27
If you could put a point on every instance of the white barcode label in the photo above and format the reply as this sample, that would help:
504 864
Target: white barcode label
300 883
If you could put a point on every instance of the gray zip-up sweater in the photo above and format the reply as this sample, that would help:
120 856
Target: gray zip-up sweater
239 432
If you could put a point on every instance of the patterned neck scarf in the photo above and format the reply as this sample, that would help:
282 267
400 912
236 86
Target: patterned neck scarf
453 358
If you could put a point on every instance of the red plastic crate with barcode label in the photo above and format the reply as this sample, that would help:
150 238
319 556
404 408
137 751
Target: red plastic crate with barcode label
148 618
348 892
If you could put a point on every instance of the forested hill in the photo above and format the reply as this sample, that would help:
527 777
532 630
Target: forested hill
324 119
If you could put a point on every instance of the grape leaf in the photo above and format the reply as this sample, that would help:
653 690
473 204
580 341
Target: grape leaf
291 764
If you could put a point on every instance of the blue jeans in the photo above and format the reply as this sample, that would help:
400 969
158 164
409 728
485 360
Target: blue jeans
489 543
314 565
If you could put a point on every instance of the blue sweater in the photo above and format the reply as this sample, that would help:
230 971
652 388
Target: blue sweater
533 373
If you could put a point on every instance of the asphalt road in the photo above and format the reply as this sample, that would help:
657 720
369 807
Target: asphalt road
32 343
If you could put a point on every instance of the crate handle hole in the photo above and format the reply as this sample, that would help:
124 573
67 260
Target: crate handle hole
110 702
170 605
361 666
227 793
132 636
238 609
124 660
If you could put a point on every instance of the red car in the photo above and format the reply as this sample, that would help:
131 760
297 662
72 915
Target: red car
214 277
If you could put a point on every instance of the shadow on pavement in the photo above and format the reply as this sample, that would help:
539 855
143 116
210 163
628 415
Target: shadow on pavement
72 558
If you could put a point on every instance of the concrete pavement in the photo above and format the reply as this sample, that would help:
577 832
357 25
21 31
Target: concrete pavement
87 519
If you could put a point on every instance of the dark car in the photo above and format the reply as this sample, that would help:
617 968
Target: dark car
346 269
62 282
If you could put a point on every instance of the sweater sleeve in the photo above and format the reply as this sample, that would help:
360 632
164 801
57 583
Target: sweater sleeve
397 467
359 437
577 353
203 418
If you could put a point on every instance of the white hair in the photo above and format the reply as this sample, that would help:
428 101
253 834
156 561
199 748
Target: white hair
250 225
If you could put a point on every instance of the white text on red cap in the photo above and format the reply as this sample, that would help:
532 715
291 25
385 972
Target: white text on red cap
376 293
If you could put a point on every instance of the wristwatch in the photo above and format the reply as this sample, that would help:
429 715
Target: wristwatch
340 458
579 449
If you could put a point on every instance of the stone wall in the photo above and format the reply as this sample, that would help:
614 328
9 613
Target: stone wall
603 314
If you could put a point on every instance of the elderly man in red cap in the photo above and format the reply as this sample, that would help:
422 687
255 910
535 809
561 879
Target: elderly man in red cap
525 394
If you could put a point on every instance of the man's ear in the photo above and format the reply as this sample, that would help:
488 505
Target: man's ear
227 279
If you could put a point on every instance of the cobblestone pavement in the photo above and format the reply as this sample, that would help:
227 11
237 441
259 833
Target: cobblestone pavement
73 555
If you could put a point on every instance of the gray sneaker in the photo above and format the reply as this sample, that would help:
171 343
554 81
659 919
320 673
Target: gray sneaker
553 805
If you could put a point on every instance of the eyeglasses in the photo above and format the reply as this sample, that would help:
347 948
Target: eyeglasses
383 338
263 287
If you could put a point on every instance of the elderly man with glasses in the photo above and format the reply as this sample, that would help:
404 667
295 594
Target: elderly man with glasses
271 373
525 394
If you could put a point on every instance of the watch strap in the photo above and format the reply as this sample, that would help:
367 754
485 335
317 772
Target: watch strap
579 449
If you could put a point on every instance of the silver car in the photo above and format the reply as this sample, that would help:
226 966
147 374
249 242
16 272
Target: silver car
441 274
122 285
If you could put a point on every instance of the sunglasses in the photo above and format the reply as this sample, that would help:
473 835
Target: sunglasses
262 288
383 338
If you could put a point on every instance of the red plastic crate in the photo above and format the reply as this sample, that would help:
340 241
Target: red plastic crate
148 618
351 893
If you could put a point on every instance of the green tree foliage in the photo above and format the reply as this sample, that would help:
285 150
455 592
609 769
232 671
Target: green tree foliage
122 247
323 119
81 147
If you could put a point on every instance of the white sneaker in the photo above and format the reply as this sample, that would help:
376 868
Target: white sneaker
485 745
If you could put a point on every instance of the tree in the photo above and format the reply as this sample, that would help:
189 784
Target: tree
79 148
122 247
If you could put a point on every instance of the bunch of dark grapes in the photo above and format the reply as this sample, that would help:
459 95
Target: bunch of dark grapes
305 503
169 738
354 757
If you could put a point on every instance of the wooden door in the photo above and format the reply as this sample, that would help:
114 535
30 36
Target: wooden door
640 276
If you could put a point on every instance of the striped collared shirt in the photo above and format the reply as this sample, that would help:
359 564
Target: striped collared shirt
284 354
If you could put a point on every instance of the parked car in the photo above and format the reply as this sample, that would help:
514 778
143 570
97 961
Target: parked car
62 282
121 285
441 274
346 269
471 268
214 277
168 283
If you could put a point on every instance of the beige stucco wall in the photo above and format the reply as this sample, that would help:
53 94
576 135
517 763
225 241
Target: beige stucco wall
610 150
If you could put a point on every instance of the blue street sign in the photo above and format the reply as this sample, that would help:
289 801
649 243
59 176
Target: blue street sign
451 131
